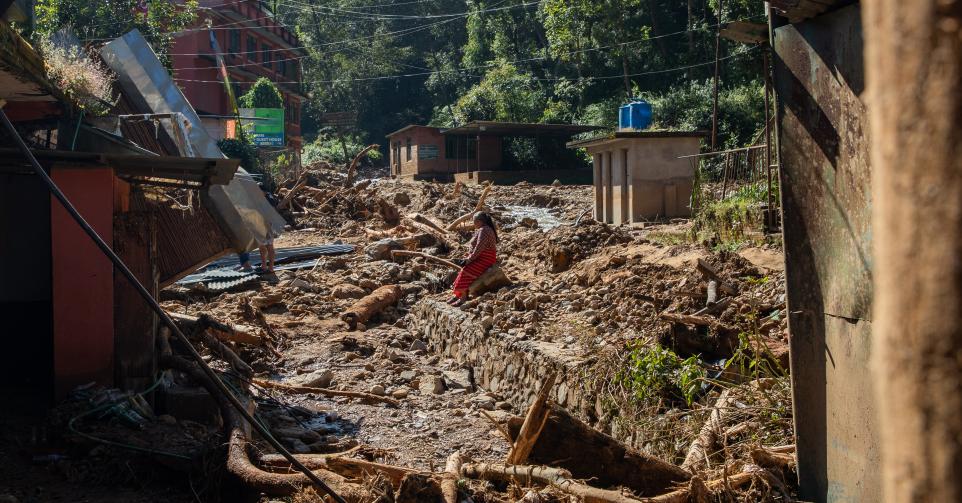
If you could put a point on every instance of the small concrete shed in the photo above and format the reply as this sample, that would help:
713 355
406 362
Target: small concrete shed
638 175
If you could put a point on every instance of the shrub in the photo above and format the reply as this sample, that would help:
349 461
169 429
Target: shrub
327 147
81 78
653 372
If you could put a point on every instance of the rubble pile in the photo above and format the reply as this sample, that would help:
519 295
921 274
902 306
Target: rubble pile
328 356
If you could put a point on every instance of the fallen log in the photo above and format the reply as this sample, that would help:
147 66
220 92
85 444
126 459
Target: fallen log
732 482
528 475
432 258
689 319
709 272
352 169
421 219
420 227
698 452
449 480
201 331
469 215
569 443
325 391
223 331
534 422
490 280
373 303
343 465
238 459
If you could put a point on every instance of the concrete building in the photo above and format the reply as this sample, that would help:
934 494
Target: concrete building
638 175
474 152
254 45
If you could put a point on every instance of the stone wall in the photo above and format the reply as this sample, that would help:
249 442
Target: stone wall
512 365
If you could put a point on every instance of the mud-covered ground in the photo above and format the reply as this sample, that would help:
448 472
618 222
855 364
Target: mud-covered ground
596 288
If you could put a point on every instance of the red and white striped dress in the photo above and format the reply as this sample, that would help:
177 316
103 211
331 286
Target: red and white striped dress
483 255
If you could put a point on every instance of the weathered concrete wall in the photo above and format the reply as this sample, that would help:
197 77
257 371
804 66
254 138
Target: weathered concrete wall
826 198
643 178
512 367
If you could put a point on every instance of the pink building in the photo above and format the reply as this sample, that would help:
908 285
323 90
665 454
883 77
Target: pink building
473 152
254 45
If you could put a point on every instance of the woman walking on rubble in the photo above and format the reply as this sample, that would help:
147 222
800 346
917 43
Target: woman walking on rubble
483 255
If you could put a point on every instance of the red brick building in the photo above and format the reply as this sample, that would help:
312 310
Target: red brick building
254 45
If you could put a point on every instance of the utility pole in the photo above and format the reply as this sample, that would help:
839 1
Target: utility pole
714 108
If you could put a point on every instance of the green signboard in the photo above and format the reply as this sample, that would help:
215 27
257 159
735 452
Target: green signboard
268 129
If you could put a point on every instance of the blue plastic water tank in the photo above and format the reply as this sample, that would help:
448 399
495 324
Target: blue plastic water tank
635 115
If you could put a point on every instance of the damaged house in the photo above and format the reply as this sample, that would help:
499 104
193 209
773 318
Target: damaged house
166 206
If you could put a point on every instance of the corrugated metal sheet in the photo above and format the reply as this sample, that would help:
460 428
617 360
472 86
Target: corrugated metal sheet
240 206
825 180
186 239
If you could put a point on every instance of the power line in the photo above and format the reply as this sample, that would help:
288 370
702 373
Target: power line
417 28
462 70
536 58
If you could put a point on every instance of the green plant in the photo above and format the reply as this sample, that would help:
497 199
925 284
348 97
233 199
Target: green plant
752 357
263 94
653 372
728 223
328 148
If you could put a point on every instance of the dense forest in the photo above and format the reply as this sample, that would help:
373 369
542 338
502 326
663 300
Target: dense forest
444 62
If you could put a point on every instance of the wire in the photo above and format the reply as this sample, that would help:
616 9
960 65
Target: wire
535 58
164 317
463 70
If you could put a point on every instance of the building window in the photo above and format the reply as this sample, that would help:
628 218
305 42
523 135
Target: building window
282 66
251 48
266 55
460 147
234 44
408 150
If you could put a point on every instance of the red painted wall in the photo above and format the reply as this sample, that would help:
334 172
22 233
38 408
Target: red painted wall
489 153
83 302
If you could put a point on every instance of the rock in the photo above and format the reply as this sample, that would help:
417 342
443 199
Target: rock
402 199
163 418
556 183
267 299
8 498
529 223
348 291
298 433
381 250
408 375
400 393
317 379
503 405
394 356
431 384
483 402
377 389
367 284
297 446
458 379
418 345
487 322
300 284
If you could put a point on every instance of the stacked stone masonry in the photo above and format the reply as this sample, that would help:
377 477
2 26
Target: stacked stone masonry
514 366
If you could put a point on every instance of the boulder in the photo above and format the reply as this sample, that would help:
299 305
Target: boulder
381 250
317 379
348 291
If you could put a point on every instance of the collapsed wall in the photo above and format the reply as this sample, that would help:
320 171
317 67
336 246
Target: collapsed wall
514 366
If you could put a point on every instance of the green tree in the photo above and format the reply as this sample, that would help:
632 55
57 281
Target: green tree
263 94
157 20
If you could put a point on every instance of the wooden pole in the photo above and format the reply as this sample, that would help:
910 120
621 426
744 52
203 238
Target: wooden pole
770 221
714 109
913 70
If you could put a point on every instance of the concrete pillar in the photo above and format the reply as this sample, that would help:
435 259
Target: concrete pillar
608 202
599 193
913 62
624 208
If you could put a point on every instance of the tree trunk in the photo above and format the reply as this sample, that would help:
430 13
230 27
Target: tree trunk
914 63
566 442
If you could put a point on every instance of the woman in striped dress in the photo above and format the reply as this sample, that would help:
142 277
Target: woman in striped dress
483 255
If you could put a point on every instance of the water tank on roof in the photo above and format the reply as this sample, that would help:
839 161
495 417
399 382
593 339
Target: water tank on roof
636 114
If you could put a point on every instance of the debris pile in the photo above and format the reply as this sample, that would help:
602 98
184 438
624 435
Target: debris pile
683 345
